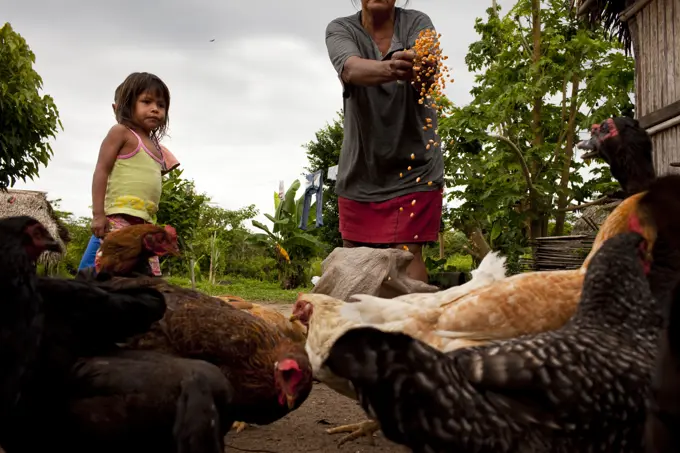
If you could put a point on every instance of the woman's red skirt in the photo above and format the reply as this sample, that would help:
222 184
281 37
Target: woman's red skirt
409 219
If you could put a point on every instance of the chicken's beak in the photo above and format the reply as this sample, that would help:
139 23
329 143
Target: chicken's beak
293 318
290 401
49 243
591 146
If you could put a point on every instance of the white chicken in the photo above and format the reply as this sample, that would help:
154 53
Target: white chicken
325 323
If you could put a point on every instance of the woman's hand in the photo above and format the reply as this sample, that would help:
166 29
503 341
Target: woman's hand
401 64
100 225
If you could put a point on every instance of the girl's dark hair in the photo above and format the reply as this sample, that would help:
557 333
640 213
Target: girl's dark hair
354 2
127 93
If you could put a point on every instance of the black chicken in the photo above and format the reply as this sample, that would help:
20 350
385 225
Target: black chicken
22 240
577 389
623 144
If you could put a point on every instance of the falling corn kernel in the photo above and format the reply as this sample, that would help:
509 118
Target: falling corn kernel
424 128
409 168
412 214
413 156
428 120
401 209
389 278
428 146
418 179
430 141
413 203
429 183
401 175
405 248
415 237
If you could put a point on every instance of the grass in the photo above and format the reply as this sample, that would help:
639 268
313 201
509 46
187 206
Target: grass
251 290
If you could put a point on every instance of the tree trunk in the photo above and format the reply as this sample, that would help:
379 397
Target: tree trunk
536 208
568 155
441 245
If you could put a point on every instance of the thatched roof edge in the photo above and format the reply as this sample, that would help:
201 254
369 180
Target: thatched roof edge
34 203
606 13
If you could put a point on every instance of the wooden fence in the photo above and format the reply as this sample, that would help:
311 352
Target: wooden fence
558 253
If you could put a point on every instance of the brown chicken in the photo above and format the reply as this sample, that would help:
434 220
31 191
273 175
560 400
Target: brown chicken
127 250
270 373
292 329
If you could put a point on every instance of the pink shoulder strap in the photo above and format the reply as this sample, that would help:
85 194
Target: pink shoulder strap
133 153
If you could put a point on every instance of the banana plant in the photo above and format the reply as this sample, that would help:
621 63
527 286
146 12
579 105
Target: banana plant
291 246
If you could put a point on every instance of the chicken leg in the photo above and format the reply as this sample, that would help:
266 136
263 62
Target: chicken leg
239 426
356 430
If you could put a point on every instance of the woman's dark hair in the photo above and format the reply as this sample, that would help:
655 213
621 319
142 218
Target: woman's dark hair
127 93
354 2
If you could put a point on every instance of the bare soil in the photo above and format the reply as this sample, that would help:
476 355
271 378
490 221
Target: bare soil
304 430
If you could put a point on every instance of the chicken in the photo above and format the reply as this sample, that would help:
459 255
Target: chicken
127 250
141 401
579 388
321 315
22 240
291 329
271 375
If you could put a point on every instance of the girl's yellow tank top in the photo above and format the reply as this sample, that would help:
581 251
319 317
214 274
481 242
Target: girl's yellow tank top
134 186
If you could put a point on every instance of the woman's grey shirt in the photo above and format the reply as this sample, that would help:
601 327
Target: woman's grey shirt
383 125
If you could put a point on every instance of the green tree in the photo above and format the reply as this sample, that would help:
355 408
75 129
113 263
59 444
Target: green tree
324 152
543 77
291 246
27 119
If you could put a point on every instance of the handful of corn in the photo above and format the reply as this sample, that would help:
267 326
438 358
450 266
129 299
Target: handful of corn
429 64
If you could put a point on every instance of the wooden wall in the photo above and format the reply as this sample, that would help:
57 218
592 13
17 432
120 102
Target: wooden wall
656 31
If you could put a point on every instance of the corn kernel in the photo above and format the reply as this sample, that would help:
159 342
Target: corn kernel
413 203
413 156
415 237
409 168
429 183
401 209
412 214
405 248
401 175
418 179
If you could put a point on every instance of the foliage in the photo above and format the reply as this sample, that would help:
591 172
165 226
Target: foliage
27 119
509 153
291 246
80 233
323 153
248 289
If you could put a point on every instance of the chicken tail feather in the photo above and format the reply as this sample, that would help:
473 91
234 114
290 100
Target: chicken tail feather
491 268
401 382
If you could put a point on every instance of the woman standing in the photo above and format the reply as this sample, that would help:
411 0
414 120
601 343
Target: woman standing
390 178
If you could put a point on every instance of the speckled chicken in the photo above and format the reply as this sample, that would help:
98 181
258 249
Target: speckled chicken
580 388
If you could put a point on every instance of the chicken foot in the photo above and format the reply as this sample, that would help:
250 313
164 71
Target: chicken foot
356 430
239 426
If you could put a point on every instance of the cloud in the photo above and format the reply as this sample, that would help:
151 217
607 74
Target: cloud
241 106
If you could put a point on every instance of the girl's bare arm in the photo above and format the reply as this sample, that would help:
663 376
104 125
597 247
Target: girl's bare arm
113 142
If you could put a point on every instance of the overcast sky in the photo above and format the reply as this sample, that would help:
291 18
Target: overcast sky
242 106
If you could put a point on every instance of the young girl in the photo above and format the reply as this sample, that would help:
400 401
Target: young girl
126 186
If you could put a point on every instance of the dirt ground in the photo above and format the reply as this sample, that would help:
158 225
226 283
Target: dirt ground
304 430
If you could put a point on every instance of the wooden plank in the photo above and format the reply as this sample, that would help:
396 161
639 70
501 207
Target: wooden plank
672 41
676 33
659 116
662 69
653 49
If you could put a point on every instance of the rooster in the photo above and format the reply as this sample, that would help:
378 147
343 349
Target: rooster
22 241
271 374
579 388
